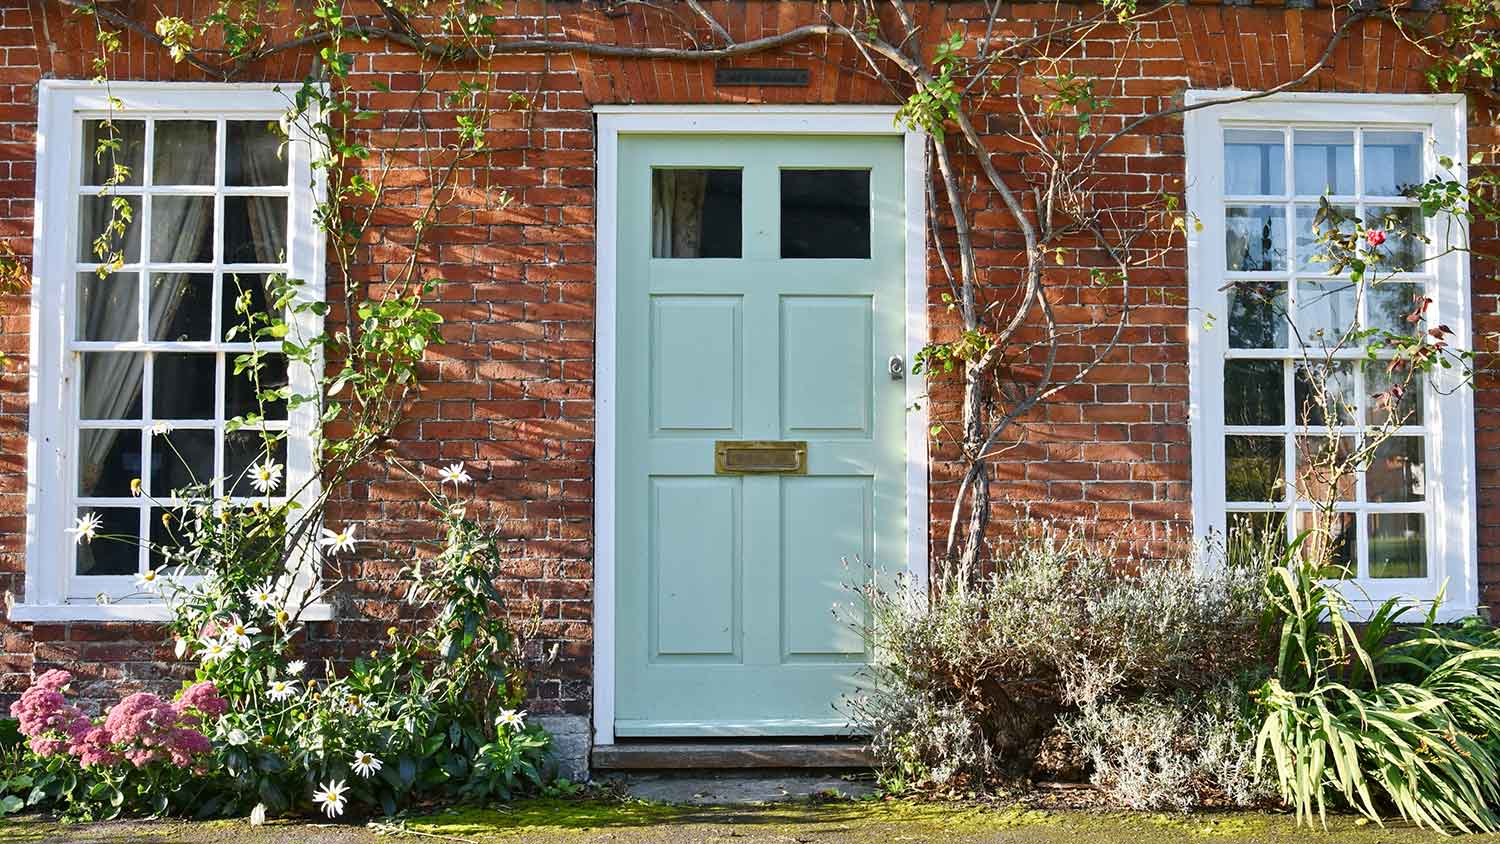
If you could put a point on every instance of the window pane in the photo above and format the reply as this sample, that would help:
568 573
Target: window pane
241 388
1323 470
696 213
1255 238
254 155
184 153
1326 312
1313 249
1324 162
254 229
1257 315
1253 468
119 223
182 229
1397 471
1403 250
825 213
182 306
107 307
1254 162
1324 394
1254 392
108 460
242 450
181 458
1387 403
1253 538
1330 539
183 386
111 385
1388 305
244 296
1393 162
102 150
115 549
1398 545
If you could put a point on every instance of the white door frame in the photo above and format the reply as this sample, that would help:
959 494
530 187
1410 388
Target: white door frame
614 121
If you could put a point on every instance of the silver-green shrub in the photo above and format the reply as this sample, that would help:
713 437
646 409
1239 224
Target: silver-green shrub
969 680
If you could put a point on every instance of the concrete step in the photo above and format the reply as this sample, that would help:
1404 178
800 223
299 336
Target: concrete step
716 755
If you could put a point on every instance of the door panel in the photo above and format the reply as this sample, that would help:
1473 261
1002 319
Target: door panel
727 584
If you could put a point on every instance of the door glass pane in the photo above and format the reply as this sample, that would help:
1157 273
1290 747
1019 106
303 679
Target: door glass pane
1397 471
1253 468
254 156
115 549
184 153
108 460
182 229
1393 162
1254 162
1255 238
1324 163
1324 393
1254 392
254 229
103 150
111 385
825 213
1398 545
183 386
696 213
182 306
107 307
1257 315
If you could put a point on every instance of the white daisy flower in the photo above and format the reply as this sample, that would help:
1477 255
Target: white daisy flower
238 632
454 474
214 650
258 814
148 581
337 542
511 718
261 597
365 764
265 476
295 667
281 689
330 797
161 428
85 528
238 737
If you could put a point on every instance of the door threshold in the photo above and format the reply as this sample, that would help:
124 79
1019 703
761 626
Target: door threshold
699 754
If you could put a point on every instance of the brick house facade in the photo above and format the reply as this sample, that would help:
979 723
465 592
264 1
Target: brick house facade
512 391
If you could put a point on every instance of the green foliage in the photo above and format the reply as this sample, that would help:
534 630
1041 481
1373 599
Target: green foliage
1379 716
933 104
972 678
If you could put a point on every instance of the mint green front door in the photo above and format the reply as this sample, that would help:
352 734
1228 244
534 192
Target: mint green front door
760 298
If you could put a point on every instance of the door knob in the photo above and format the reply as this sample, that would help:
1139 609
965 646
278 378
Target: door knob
897 367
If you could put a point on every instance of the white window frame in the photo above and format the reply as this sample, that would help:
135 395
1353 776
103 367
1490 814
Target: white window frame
51 475
1451 488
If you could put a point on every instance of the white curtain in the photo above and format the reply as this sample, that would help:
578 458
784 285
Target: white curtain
677 213
112 382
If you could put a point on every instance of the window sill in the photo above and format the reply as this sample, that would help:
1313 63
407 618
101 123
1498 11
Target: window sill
123 613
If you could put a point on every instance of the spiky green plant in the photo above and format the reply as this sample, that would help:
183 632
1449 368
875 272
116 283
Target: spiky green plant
1382 715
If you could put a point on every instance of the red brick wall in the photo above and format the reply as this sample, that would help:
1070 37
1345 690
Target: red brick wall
511 392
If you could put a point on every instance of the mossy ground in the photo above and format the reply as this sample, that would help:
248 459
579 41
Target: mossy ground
863 822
